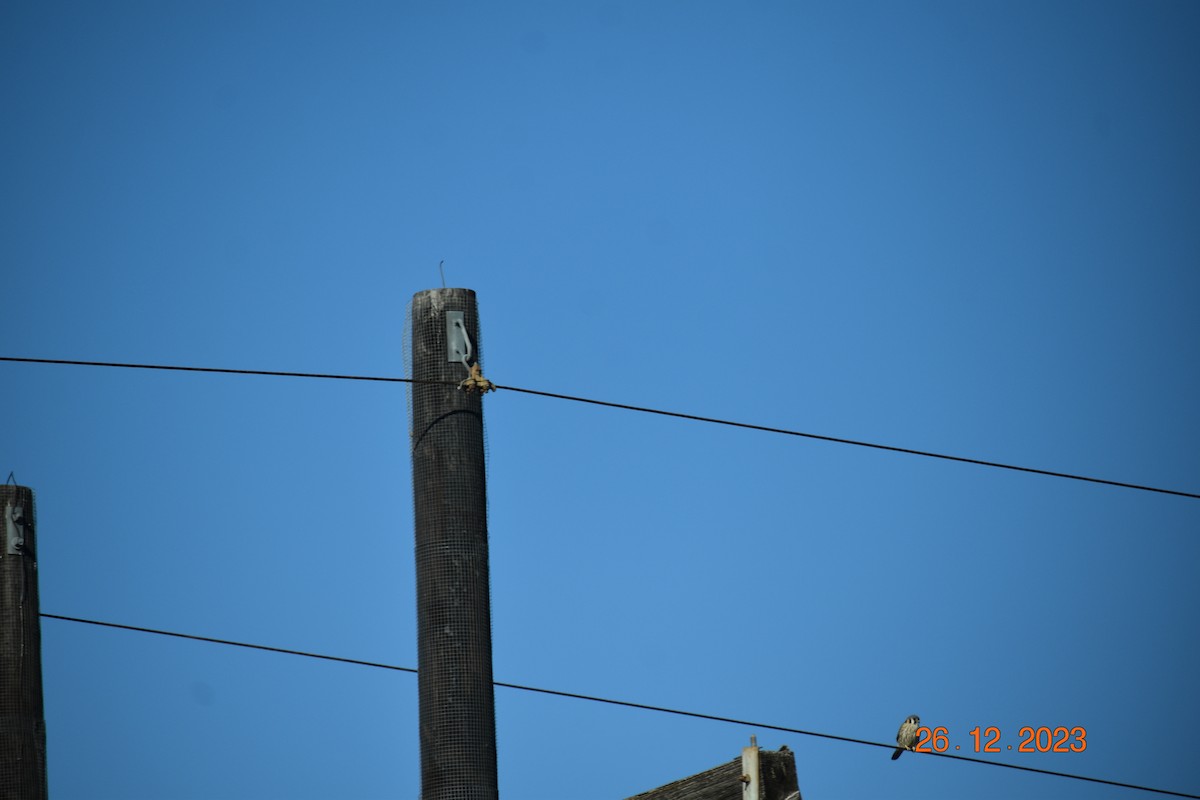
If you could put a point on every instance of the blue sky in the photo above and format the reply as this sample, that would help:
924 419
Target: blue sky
962 227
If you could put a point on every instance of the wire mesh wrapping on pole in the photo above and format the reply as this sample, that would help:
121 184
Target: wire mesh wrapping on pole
22 718
457 707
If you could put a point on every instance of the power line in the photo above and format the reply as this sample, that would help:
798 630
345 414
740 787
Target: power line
215 370
856 443
623 703
641 409
229 642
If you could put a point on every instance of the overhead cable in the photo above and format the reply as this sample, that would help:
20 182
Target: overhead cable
641 409
624 703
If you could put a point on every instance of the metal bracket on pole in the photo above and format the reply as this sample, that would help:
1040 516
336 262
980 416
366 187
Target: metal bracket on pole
457 347
14 530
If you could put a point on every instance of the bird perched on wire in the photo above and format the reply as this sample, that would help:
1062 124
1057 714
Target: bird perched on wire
906 737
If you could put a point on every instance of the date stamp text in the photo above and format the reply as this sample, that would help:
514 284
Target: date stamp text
1030 740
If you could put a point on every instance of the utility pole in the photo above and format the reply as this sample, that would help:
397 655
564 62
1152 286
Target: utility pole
454 629
22 718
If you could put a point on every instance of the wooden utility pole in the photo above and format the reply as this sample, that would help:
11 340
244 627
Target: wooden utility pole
22 718
757 775
454 629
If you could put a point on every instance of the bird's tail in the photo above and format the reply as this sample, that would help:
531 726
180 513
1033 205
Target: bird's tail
896 754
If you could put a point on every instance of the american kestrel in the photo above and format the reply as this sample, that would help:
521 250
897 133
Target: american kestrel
906 737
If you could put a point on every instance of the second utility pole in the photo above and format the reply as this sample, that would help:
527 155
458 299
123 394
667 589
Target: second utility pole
22 717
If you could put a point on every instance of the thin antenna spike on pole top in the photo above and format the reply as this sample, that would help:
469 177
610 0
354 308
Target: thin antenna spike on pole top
442 272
